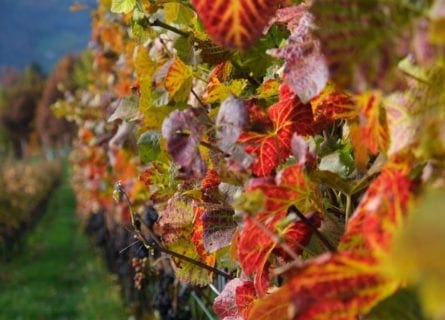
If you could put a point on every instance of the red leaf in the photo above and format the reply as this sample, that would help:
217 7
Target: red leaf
333 105
244 297
381 211
291 187
255 245
337 287
235 300
235 23
210 180
273 147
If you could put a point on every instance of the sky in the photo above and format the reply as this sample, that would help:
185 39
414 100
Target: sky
41 31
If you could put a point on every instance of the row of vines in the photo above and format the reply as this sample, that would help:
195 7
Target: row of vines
25 187
266 159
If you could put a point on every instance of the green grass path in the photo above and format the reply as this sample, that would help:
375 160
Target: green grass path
57 275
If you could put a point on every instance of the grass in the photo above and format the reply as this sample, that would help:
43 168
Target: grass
57 275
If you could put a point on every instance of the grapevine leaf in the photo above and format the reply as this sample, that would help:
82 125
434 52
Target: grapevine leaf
290 187
176 222
268 89
127 109
186 271
122 6
245 295
176 219
414 258
178 13
380 213
305 70
403 123
232 118
339 286
374 128
219 88
182 131
149 146
272 148
178 80
235 23
365 32
225 305
219 226
332 104
255 246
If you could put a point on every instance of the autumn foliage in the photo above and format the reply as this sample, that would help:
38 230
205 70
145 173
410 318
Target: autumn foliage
278 147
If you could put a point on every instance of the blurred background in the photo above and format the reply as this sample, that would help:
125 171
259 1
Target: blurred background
47 267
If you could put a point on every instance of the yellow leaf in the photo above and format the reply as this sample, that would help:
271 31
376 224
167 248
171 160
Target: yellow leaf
417 258
178 81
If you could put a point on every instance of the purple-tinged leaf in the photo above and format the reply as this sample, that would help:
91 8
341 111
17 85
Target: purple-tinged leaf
219 226
305 70
183 133
303 151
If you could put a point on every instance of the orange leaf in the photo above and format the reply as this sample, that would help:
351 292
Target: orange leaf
374 128
332 105
235 23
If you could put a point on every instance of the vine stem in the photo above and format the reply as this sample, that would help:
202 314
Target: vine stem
136 223
348 208
159 23
314 229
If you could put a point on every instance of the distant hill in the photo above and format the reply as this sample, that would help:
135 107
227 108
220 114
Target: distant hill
41 31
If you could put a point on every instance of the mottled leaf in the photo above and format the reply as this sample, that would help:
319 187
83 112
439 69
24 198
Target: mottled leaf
219 226
305 70
225 305
178 80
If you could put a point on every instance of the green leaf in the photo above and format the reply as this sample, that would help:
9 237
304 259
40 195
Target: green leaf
177 13
402 305
122 6
184 49
149 146
331 179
